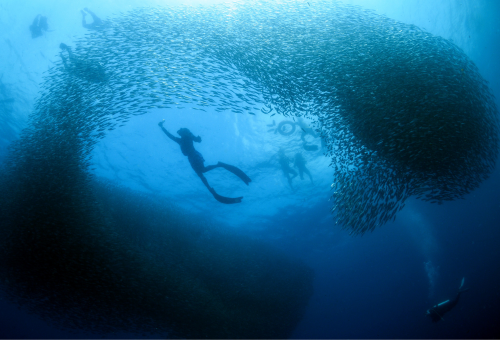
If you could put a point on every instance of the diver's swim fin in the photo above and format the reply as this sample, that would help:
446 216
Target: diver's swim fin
225 200
460 289
236 171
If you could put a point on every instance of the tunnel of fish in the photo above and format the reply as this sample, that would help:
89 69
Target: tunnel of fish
402 113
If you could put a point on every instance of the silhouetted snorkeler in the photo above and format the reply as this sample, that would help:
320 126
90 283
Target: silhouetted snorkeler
285 166
196 160
97 24
436 312
91 71
39 24
300 163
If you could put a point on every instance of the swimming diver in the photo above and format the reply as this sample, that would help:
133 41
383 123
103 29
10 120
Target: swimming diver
97 24
436 312
91 71
196 160
39 24
285 166
300 163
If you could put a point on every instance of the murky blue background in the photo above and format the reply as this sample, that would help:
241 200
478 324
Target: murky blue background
375 286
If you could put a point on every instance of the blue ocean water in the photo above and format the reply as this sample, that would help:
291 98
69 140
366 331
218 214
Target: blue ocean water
378 285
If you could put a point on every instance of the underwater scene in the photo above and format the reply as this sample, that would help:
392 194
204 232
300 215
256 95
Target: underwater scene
249 169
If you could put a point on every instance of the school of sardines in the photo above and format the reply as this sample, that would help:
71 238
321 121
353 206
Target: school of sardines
403 112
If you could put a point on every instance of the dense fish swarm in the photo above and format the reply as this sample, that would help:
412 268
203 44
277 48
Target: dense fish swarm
96 257
402 112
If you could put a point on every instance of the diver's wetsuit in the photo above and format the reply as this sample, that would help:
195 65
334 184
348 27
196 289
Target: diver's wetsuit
197 162
97 24
285 166
300 163
436 312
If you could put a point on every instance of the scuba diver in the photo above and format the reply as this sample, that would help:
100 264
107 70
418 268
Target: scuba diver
93 72
39 24
285 166
436 312
196 160
97 24
300 163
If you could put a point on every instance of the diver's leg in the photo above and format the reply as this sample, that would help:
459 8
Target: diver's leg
301 173
236 171
308 174
287 175
222 199
210 167
204 180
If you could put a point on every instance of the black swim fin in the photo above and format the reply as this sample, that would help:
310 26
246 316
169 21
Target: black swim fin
236 171
225 200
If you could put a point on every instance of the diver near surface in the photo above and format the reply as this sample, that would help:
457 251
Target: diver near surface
196 160
436 312
284 161
91 71
39 24
97 24
300 163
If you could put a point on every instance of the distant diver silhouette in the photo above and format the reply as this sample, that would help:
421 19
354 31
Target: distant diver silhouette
39 24
85 69
97 24
285 166
436 312
196 160
300 164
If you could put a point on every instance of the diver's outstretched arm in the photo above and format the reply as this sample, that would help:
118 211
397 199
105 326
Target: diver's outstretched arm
171 136
84 22
97 20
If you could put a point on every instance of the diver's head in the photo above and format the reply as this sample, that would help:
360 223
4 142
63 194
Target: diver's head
185 133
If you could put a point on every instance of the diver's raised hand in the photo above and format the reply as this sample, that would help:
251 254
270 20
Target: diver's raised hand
161 123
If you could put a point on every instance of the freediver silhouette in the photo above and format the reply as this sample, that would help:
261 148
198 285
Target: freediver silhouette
197 162
437 312
300 164
284 162
97 24
38 25
90 70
